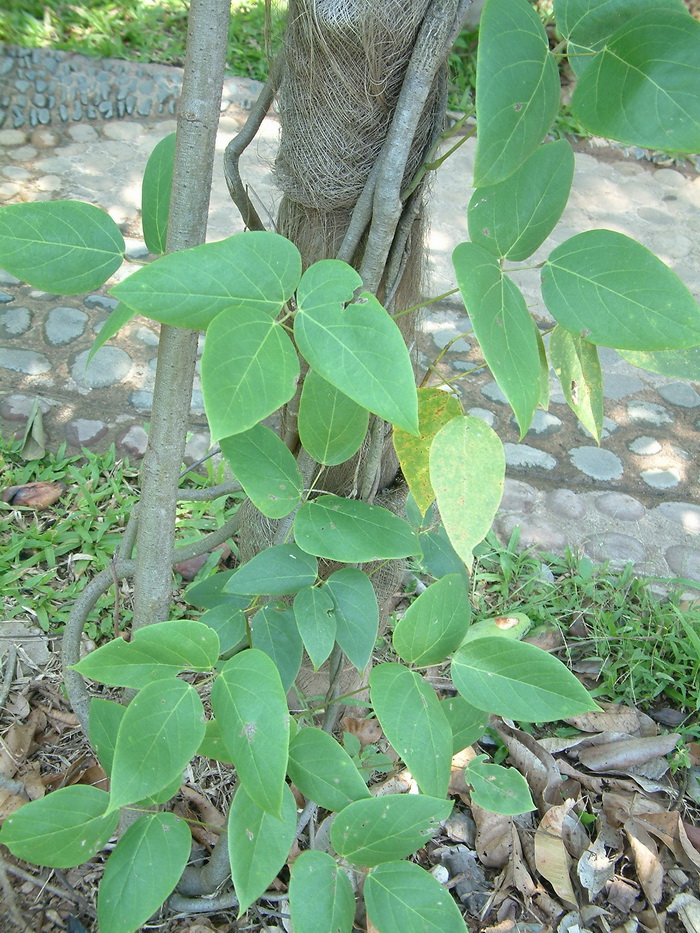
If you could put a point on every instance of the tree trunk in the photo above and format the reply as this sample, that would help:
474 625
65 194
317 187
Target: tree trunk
362 95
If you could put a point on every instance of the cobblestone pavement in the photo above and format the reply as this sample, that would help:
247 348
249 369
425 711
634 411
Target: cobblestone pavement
633 499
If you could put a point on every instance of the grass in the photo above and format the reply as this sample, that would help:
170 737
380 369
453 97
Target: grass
638 648
138 30
635 648
47 556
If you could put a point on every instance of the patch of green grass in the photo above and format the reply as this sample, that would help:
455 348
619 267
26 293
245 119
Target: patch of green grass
46 557
647 649
140 30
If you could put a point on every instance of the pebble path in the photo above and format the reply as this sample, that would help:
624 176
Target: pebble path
635 499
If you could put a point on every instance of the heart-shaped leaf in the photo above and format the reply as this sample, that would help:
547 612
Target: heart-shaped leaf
266 469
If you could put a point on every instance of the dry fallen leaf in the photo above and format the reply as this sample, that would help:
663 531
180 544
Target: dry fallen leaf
615 717
688 909
535 763
551 857
646 860
188 569
595 868
367 731
33 495
494 837
629 753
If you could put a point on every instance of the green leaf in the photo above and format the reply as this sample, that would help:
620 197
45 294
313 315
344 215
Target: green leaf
467 469
213 745
503 326
439 558
514 625
544 369
251 706
266 468
123 664
352 531
229 625
61 830
321 898
356 614
434 625
258 844
498 789
678 364
331 426
156 652
160 732
253 273
323 771
519 681
402 896
435 409
277 571
517 89
642 87
155 194
105 718
612 291
210 593
274 631
513 218
588 24
412 719
249 369
467 722
64 247
114 323
576 363
357 347
369 832
188 645
142 871
314 611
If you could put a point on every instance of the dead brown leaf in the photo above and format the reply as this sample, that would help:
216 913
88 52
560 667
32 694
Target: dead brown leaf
188 569
669 828
615 717
688 909
645 853
494 837
367 731
595 868
627 753
551 857
34 495
18 742
535 763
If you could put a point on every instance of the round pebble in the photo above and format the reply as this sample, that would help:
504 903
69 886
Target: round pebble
64 324
518 496
141 399
19 407
684 561
648 413
684 514
565 503
659 478
8 190
83 432
45 138
134 441
596 463
12 137
609 427
484 414
616 548
544 424
680 394
108 366
24 361
14 322
618 385
645 446
100 301
123 131
535 532
620 506
522 456
16 173
83 133
493 392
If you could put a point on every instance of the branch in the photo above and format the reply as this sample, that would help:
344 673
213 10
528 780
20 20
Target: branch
441 22
240 143
197 123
